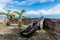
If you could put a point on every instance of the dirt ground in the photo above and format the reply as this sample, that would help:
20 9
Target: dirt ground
12 33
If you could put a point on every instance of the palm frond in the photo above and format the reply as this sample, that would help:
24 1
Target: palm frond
8 11
2 13
22 12
16 12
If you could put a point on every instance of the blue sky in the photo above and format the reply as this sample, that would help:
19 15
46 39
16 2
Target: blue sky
34 8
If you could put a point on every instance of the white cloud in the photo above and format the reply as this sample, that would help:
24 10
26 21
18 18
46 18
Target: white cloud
4 1
3 4
19 3
30 2
40 1
54 10
1 7
43 1
32 12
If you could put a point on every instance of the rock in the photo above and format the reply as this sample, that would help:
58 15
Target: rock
52 24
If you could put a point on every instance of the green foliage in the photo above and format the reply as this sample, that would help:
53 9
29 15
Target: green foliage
8 11
2 13
7 14
19 13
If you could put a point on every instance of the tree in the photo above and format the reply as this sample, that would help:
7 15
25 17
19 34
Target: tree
7 14
12 18
25 19
20 17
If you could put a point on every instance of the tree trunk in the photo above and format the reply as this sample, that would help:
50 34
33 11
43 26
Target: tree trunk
19 23
8 23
